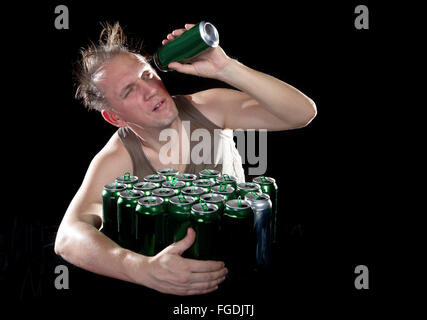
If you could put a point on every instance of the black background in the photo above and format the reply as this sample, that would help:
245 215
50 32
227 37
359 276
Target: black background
331 174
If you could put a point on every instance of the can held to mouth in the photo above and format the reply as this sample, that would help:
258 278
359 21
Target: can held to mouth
261 206
210 174
169 173
206 184
174 184
128 180
150 225
126 205
188 178
110 195
239 238
178 220
205 220
244 188
269 186
193 191
187 46
157 179
228 192
215 198
146 187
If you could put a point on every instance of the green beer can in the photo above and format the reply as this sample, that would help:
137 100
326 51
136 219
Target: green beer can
228 192
110 195
215 198
164 193
193 191
128 180
269 186
178 218
158 179
209 174
205 220
169 173
244 188
206 184
150 225
239 237
187 46
227 180
175 185
188 178
146 187
126 218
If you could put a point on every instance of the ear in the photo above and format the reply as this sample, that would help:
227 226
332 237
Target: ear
112 118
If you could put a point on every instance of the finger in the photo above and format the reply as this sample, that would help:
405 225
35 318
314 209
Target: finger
189 25
183 68
198 266
178 32
182 245
208 276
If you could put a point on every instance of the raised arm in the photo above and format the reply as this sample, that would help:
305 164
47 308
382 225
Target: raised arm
264 102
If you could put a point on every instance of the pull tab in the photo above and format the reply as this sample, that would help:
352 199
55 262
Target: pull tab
116 183
181 199
204 205
239 201
207 171
255 195
222 187
226 177
263 179
173 181
126 176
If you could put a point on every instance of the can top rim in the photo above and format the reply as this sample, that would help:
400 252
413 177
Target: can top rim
209 173
167 171
228 189
203 182
178 184
115 187
248 186
163 191
198 190
209 33
234 204
186 176
155 178
267 180
188 200
212 197
145 185
131 179
150 201
257 198
131 194
212 208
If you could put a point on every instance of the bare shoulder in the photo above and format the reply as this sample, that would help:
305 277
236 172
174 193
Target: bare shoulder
213 103
110 162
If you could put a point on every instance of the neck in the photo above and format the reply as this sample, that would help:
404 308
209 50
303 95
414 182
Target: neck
150 137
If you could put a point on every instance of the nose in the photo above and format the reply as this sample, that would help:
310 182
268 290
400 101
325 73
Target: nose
148 89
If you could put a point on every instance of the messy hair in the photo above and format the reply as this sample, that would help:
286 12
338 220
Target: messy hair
112 42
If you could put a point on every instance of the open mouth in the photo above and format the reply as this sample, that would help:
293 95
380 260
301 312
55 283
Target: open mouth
159 105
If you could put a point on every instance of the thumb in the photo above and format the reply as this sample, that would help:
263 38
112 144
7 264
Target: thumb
180 246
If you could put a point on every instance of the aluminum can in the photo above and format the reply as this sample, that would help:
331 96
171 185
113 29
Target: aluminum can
128 180
206 184
158 179
150 225
178 220
245 187
228 192
193 191
210 174
215 198
188 178
110 195
126 218
146 187
187 46
169 173
261 206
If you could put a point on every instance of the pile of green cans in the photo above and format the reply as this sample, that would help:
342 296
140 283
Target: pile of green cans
234 222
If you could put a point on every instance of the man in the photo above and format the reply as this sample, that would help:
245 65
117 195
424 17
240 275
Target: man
130 95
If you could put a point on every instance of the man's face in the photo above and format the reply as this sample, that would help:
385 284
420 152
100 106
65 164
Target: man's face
136 92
